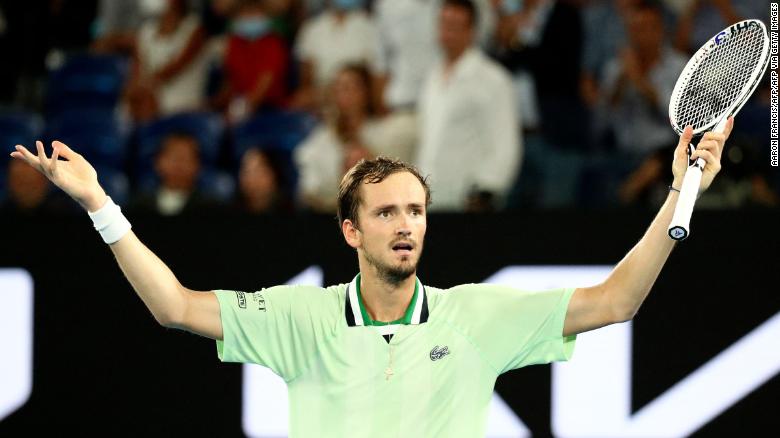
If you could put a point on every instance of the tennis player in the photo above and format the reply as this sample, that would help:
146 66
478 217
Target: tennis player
383 355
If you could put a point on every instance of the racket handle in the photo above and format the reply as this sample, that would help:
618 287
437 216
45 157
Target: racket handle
680 227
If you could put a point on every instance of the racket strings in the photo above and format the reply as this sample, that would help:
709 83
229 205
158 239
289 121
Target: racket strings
719 79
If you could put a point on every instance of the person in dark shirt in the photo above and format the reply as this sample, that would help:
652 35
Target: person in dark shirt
178 167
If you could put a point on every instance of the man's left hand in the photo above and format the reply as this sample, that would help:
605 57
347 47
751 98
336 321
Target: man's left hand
710 148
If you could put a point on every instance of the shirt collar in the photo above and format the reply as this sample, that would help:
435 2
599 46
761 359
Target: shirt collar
468 62
356 314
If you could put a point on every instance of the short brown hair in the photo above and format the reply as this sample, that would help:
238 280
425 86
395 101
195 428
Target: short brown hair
371 172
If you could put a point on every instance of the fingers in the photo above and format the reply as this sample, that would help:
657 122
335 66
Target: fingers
54 157
685 140
729 127
43 160
28 156
713 141
65 151
713 163
712 145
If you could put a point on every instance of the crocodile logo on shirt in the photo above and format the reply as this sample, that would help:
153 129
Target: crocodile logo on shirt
439 352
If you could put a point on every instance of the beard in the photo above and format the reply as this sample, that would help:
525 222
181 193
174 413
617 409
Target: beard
390 274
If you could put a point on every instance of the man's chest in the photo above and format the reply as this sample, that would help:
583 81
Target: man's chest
427 355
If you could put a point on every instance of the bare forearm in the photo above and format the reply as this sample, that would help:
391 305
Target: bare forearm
150 277
633 277
157 286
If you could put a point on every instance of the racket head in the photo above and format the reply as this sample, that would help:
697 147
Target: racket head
720 77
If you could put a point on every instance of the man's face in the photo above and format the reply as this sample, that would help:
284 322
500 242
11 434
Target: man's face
646 30
391 226
178 163
256 177
456 31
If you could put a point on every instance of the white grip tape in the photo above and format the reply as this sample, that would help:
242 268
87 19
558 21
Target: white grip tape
110 222
685 203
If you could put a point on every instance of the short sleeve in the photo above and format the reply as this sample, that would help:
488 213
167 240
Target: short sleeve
276 327
514 328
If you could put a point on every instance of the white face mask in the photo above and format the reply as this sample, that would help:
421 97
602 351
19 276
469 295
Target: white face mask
152 8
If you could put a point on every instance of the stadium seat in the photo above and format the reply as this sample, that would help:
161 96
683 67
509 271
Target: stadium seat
206 127
86 81
96 134
274 129
102 139
16 127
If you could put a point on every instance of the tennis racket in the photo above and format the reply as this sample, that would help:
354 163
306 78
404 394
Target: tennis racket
716 82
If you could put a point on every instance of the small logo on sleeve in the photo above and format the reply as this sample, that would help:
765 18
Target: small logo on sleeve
439 352
241 299
259 300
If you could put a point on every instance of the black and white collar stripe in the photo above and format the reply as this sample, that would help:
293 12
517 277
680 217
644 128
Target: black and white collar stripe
354 317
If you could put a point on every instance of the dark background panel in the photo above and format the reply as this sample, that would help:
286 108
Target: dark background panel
103 366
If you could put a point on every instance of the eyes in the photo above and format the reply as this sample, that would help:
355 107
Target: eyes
388 213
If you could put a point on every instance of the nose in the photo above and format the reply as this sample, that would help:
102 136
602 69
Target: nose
404 232
403 227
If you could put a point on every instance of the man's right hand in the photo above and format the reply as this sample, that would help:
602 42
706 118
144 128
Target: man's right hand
172 304
74 175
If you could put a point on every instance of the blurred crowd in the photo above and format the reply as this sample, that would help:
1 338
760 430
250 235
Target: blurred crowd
262 105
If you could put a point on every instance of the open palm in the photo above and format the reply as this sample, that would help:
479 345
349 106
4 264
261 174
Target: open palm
73 174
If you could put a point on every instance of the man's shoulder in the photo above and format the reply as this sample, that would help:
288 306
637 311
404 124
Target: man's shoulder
488 68
462 294
314 298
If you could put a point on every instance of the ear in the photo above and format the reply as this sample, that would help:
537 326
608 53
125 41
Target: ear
351 234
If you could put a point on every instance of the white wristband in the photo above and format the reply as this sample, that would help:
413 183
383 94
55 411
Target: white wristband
110 222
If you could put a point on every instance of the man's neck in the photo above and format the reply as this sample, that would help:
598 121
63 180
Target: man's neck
384 301
451 59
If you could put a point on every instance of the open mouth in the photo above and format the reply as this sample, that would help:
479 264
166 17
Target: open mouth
403 248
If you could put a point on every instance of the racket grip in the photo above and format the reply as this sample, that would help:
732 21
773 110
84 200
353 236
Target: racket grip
680 227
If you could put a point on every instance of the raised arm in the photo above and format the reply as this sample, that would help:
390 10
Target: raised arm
618 298
172 304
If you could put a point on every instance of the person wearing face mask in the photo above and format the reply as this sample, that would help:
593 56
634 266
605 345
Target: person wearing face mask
343 34
255 65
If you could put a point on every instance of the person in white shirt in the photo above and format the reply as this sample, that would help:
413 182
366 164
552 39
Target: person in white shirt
343 34
170 69
407 47
470 132
352 131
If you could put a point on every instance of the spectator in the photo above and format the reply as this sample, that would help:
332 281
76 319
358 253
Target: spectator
408 49
702 19
638 85
470 142
118 21
604 31
177 165
29 192
353 132
527 39
255 66
169 71
742 180
35 52
343 34
260 183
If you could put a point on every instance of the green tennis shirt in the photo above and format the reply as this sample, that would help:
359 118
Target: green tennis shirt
435 376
